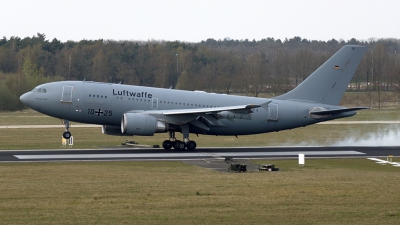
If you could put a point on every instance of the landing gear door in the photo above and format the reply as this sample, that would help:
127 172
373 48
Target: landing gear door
273 112
66 94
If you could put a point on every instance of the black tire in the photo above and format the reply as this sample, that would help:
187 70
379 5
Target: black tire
180 146
191 145
66 135
167 144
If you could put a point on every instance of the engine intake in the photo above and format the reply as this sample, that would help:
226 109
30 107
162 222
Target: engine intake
113 130
141 124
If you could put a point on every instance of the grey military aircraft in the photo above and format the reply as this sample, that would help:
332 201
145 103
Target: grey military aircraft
137 110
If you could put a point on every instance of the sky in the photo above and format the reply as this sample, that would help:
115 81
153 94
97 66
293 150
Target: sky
195 20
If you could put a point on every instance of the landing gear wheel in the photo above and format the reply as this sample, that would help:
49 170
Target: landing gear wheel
179 145
167 144
66 135
191 145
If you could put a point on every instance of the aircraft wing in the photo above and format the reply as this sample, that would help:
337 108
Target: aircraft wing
213 109
204 118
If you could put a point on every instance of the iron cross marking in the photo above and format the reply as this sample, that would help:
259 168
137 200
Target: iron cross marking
99 112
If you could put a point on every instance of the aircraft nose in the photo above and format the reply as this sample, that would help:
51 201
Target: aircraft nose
25 98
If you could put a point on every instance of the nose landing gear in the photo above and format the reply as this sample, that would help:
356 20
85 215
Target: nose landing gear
66 134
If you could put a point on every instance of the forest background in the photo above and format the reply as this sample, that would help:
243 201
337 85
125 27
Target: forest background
263 68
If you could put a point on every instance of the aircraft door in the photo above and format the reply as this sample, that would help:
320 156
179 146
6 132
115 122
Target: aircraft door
71 104
154 104
67 94
272 112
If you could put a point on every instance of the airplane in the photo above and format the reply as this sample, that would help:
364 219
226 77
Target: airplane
127 110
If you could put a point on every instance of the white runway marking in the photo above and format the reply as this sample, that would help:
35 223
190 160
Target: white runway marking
381 161
180 155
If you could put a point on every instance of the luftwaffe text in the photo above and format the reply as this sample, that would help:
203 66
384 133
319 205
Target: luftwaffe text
132 94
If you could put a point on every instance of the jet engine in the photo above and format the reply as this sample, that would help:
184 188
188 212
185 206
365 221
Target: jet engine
141 124
112 130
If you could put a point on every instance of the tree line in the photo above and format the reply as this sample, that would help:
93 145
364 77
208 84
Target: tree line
227 66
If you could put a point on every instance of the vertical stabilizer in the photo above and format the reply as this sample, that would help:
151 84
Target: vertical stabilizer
329 82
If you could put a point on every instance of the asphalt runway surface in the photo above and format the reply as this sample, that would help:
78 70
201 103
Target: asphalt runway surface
211 158
141 154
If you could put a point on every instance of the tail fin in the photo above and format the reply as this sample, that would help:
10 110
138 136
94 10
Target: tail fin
329 82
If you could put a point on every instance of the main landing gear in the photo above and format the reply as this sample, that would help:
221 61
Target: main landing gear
180 145
66 134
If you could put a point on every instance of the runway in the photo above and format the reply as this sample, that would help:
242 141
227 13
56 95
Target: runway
146 154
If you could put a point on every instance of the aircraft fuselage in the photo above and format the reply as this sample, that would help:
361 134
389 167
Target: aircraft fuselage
104 104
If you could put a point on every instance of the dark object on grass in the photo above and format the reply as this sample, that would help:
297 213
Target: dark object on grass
267 167
236 167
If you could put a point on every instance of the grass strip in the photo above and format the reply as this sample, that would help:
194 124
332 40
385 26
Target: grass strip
325 191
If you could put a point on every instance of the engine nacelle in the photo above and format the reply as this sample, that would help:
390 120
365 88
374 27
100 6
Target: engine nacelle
233 115
141 124
112 130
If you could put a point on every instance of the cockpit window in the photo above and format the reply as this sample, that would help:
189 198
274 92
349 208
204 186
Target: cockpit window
39 90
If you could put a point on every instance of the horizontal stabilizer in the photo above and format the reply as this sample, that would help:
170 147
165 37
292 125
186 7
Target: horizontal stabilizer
336 111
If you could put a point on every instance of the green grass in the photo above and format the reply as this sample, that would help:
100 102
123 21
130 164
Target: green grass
388 99
27 117
328 191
